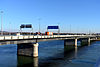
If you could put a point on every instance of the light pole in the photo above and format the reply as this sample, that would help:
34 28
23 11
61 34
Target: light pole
1 23
58 29
70 28
39 24
10 28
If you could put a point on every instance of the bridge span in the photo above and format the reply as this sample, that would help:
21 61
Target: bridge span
27 45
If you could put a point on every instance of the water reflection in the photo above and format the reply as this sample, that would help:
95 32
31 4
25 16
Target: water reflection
23 61
76 49
88 43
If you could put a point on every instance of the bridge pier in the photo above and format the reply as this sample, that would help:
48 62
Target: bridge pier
75 42
84 41
27 49
89 41
70 44
96 38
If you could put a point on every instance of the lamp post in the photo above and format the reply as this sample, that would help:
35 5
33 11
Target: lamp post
58 29
70 28
39 24
10 28
1 23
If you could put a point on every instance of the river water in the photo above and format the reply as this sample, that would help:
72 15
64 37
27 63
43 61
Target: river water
51 54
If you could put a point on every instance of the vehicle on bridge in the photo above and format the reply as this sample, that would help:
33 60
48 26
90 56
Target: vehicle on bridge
48 33
38 33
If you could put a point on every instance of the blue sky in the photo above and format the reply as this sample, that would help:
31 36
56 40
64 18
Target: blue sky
71 15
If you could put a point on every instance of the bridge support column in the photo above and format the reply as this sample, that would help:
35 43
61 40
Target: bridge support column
75 42
96 38
27 49
89 41
35 51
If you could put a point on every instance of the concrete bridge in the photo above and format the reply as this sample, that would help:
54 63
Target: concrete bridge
27 45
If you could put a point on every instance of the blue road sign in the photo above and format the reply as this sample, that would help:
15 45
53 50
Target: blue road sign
53 27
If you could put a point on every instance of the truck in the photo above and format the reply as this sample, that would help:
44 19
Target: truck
48 33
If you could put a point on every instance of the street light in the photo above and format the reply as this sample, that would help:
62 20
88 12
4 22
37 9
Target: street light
1 23
10 28
70 28
58 28
39 24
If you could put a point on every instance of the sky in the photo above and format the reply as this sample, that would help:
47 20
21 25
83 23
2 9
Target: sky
75 16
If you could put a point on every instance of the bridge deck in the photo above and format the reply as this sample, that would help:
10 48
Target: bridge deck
31 38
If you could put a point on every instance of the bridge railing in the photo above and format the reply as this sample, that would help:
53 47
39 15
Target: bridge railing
43 36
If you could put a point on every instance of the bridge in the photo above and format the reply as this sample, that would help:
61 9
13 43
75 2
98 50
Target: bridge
27 45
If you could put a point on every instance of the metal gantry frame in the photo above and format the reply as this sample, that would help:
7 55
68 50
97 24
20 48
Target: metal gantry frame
26 26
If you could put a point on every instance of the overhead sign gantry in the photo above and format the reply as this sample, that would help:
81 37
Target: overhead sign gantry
26 26
54 27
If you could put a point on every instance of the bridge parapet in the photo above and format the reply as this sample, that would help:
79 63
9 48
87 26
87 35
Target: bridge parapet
1 37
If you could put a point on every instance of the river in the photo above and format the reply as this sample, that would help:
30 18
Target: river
51 54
